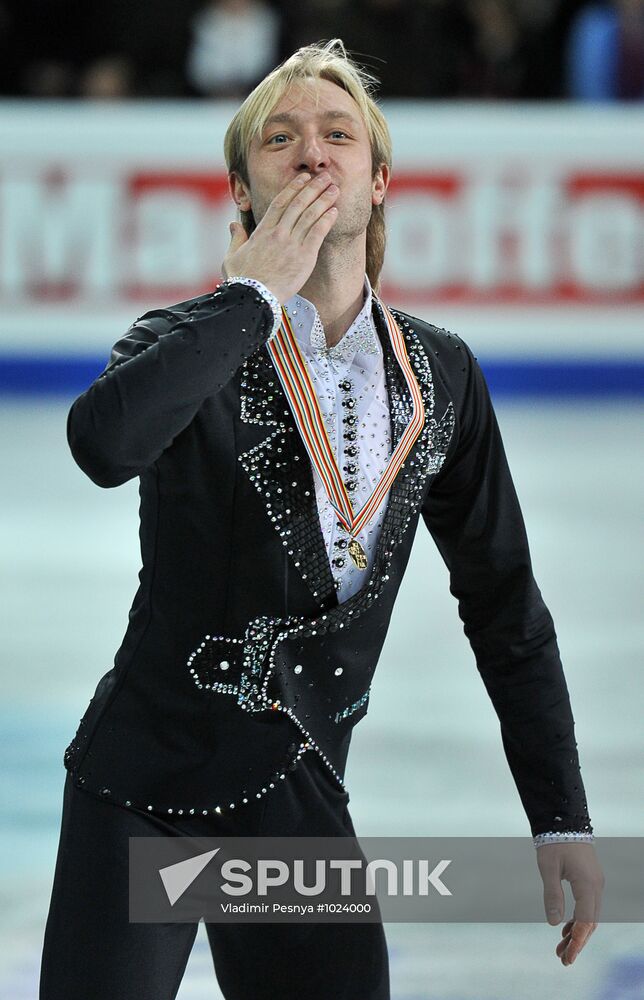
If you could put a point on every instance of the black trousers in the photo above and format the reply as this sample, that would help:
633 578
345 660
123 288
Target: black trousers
91 950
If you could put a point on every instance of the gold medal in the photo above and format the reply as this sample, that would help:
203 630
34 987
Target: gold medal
358 554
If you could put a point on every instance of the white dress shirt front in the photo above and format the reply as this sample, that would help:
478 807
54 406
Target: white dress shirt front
349 382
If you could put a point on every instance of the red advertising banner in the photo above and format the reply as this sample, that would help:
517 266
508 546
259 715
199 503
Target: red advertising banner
516 235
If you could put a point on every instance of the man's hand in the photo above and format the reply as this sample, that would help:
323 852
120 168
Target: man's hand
283 250
579 865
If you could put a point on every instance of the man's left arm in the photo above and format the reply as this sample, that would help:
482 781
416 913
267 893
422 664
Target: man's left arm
473 514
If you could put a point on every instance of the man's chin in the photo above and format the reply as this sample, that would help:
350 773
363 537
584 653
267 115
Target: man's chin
339 233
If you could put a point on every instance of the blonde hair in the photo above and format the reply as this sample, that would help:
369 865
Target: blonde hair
324 61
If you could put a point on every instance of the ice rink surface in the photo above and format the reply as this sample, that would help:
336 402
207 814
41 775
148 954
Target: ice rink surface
426 761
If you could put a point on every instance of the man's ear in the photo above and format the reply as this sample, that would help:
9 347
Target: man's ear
380 184
239 192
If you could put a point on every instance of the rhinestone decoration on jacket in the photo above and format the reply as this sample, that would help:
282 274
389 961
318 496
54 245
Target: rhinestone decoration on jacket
289 498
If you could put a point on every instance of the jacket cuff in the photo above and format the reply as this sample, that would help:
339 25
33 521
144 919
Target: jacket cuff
552 837
265 293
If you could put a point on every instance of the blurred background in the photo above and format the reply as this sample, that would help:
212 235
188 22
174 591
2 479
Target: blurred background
509 49
515 218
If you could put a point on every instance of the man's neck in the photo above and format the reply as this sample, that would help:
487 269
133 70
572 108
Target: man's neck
336 289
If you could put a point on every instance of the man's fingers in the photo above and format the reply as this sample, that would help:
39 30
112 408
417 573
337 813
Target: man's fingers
587 886
553 901
307 205
572 944
319 210
238 237
275 211
320 228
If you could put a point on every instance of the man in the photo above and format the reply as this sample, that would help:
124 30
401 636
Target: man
288 431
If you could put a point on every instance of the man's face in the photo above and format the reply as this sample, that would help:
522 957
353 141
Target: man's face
323 136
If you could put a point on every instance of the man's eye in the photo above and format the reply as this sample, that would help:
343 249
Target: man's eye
280 135
337 131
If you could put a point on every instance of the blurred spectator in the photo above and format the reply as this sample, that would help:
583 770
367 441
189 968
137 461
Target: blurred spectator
45 78
108 78
606 52
234 44
630 65
593 54
495 61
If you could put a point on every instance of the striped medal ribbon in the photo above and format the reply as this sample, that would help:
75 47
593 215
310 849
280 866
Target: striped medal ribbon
293 373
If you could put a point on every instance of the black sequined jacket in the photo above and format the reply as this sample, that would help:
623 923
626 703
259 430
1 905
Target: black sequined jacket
238 658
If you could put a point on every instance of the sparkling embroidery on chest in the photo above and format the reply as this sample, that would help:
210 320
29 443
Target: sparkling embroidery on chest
270 467
360 338
290 498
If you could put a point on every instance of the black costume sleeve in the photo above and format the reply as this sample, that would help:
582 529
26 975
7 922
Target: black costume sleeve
473 514
158 375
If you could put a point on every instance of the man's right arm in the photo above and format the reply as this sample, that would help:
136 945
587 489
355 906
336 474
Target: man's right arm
170 360
158 376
